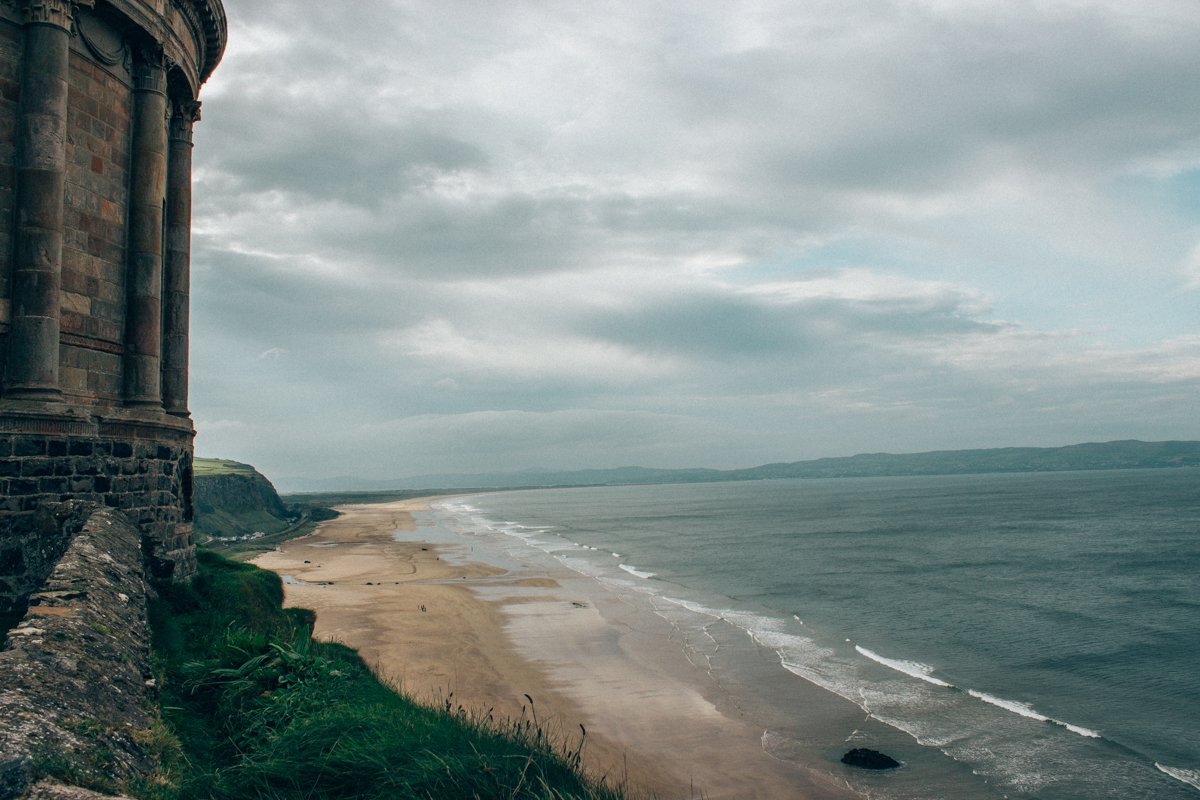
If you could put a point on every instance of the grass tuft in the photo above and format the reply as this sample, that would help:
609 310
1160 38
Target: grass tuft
260 710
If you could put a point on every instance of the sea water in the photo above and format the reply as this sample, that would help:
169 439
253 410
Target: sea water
1037 633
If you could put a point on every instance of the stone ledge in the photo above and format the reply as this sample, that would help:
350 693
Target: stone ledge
75 694
45 790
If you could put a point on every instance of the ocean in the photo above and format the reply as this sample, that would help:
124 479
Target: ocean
1004 635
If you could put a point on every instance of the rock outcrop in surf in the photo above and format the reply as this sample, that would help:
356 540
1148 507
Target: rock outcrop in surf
865 758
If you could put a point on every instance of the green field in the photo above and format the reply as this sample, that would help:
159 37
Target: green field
208 467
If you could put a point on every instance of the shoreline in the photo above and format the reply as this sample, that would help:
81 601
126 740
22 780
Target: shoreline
446 628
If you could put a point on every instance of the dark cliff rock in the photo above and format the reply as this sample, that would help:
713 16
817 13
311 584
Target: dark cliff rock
235 500
865 758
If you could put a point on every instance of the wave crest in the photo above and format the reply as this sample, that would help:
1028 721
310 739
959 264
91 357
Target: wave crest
913 669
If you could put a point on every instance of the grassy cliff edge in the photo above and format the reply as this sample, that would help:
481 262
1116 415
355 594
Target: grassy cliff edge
257 708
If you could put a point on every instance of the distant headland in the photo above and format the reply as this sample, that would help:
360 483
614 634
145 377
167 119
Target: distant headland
1125 454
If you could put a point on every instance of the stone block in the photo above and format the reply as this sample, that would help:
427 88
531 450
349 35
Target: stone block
37 467
29 446
12 561
53 486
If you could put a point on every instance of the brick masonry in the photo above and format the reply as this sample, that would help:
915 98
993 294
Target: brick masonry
95 211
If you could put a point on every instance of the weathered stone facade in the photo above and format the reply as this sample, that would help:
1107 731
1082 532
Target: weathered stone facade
97 103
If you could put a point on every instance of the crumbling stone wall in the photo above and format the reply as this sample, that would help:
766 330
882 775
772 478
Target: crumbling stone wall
75 697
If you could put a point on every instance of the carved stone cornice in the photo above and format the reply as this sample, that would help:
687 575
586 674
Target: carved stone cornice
206 19
216 32
184 115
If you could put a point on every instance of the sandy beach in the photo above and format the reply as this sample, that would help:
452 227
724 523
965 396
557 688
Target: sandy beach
438 625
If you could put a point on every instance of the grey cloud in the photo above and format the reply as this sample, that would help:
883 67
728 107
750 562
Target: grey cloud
335 153
505 234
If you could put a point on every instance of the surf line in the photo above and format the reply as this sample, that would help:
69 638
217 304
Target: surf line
924 672
1189 776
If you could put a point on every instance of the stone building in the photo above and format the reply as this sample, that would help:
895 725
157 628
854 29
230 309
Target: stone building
97 103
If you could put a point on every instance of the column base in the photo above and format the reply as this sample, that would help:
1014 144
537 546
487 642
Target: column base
40 394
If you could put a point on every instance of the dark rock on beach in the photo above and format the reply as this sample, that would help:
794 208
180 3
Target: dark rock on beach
869 759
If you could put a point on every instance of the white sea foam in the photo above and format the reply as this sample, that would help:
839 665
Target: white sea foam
1088 732
639 573
748 622
1189 776
791 646
1026 710
913 669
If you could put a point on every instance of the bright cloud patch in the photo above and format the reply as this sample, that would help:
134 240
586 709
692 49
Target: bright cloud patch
706 236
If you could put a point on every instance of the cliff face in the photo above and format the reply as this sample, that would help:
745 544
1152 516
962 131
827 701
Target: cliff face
235 500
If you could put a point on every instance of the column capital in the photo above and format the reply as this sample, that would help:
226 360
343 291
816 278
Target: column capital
59 13
184 114
150 68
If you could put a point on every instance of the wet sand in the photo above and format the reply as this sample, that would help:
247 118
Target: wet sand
439 626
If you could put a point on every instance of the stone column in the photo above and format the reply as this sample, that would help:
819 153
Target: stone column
176 273
147 194
41 179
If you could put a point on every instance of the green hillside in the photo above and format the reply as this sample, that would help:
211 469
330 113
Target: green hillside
233 502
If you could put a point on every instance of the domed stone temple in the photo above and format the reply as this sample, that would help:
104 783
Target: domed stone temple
97 103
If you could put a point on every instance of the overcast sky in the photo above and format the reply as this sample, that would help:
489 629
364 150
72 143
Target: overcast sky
465 235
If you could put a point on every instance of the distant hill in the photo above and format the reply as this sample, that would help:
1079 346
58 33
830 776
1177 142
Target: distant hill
1128 454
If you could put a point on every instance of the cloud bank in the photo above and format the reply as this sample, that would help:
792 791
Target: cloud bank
463 236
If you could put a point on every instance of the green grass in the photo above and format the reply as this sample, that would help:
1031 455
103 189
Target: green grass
254 708
221 466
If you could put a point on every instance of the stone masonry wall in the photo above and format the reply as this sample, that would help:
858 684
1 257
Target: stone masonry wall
147 479
10 93
95 209
97 104
75 698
